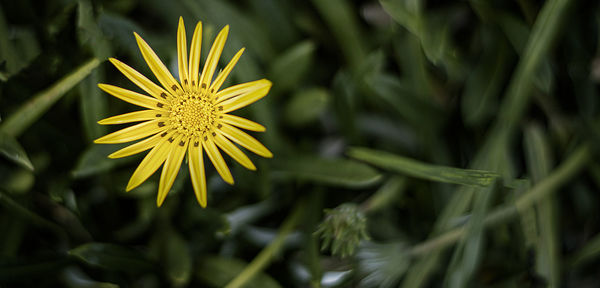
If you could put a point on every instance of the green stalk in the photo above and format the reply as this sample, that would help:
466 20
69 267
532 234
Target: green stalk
560 176
266 255
26 115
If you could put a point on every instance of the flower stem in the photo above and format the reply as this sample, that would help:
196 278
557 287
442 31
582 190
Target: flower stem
266 255
576 161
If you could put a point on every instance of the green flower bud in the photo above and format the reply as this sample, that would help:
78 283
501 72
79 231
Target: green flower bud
342 229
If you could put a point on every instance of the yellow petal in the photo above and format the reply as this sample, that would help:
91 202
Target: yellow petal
247 98
233 151
242 123
132 97
182 53
213 58
240 89
171 168
131 117
195 56
196 165
132 133
141 81
158 68
215 157
137 147
223 75
151 162
245 140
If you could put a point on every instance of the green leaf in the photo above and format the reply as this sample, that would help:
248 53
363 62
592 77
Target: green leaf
178 259
92 105
290 68
398 95
543 35
12 150
585 255
538 156
334 172
31 110
483 86
24 270
244 30
94 160
343 22
18 48
112 257
432 30
218 271
306 106
467 254
18 210
396 163
89 34
517 33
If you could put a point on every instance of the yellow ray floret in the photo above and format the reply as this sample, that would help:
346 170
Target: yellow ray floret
185 117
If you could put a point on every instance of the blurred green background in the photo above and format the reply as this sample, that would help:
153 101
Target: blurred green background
417 144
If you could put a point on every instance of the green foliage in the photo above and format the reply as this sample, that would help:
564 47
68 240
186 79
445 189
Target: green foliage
460 136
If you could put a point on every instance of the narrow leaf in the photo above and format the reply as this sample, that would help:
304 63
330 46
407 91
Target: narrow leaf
335 172
30 111
423 170
111 257
11 149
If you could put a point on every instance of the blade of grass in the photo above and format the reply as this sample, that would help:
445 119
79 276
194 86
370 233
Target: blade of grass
468 253
289 68
577 161
544 33
404 165
265 256
335 172
589 252
30 111
341 20
539 163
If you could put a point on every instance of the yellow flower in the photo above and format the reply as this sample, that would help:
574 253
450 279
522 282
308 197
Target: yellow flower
187 115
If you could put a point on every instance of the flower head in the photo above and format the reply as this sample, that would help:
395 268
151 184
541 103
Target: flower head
342 229
189 115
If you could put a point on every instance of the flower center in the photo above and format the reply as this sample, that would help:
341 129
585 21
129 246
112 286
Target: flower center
193 114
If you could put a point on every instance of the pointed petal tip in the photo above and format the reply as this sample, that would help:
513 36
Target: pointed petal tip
268 155
202 202
160 201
